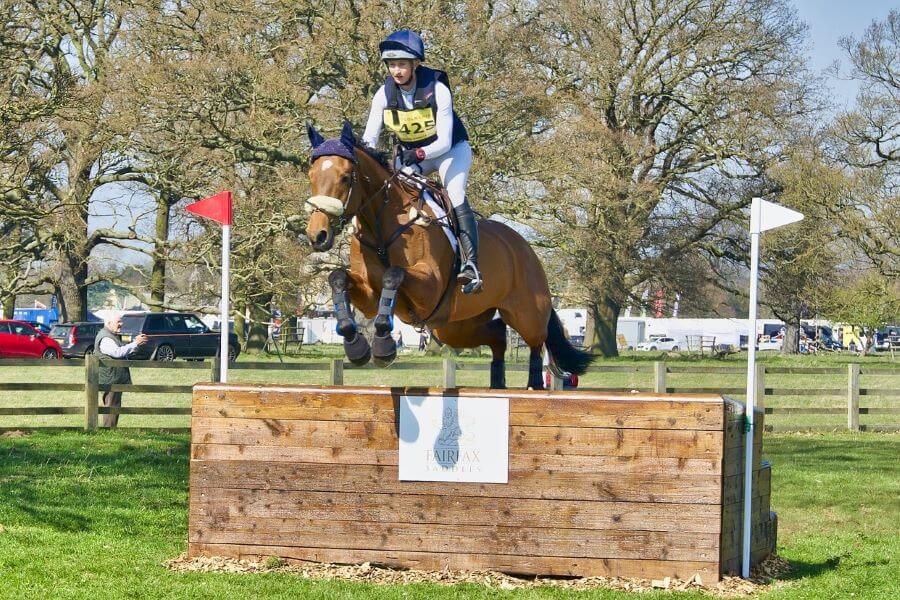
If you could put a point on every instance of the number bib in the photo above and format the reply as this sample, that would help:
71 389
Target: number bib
411 125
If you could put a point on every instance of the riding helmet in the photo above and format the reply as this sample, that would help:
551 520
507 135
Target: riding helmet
402 44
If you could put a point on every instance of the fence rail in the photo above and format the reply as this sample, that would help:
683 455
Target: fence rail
658 372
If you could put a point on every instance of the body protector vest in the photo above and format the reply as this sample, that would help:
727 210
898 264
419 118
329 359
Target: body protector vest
416 127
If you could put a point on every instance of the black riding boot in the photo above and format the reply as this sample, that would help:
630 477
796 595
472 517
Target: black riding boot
469 275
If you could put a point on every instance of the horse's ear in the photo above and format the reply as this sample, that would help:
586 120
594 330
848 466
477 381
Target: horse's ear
347 136
315 138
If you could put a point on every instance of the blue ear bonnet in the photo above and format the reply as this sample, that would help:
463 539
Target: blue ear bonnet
342 146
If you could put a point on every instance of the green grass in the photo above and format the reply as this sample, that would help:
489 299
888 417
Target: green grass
471 378
94 516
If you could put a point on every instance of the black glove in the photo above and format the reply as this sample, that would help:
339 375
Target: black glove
412 157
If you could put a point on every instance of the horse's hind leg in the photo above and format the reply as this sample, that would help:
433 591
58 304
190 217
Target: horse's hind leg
480 331
384 347
356 347
536 369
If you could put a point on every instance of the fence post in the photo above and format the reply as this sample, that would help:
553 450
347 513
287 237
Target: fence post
659 377
91 385
556 383
761 386
216 372
853 397
449 372
336 375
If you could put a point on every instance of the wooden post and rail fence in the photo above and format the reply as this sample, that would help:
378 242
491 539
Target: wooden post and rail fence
658 383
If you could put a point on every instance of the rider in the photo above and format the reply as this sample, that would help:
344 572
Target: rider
416 105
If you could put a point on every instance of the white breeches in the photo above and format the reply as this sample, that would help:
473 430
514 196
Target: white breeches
453 168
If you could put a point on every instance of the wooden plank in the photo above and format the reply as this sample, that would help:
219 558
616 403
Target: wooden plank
706 390
39 429
806 370
373 435
580 409
42 386
41 410
805 392
439 537
147 388
267 366
865 410
796 410
461 511
879 392
717 370
437 561
876 371
41 362
144 410
555 462
636 487
195 365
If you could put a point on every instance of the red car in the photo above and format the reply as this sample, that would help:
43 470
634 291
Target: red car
21 340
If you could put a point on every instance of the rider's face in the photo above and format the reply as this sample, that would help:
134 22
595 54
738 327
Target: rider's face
401 70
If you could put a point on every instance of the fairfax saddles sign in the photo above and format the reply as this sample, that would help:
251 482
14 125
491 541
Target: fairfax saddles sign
447 438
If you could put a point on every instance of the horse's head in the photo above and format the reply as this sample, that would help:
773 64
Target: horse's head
332 179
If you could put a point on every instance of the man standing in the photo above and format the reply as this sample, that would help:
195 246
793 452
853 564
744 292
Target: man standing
109 343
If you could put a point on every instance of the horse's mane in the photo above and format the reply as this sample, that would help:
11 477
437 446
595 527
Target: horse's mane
380 157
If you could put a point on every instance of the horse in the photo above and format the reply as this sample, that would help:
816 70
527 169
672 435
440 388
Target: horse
402 263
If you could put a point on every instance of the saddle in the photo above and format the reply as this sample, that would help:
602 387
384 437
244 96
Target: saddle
422 185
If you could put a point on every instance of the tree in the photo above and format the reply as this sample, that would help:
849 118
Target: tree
868 301
799 263
868 143
666 115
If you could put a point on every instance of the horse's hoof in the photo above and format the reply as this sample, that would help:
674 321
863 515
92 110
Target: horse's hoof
357 350
384 350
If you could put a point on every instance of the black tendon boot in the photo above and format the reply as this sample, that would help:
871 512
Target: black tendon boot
469 275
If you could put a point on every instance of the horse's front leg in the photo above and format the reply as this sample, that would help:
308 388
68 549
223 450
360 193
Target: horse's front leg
384 347
356 346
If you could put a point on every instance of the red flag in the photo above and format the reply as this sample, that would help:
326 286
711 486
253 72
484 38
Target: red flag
217 208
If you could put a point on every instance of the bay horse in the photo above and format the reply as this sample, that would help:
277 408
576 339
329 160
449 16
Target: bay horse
401 262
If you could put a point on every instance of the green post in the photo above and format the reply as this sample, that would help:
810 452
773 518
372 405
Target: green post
336 376
853 397
659 377
91 390
449 372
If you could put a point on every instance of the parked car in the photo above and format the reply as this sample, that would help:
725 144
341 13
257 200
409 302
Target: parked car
767 343
18 339
42 327
885 336
659 343
76 339
175 335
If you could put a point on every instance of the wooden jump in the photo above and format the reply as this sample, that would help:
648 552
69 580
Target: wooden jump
628 485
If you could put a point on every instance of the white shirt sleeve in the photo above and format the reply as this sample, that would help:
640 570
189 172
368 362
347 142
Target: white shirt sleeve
376 118
109 348
443 122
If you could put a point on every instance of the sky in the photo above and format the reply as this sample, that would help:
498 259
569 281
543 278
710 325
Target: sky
828 21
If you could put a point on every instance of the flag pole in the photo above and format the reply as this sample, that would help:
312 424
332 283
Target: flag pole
755 209
224 330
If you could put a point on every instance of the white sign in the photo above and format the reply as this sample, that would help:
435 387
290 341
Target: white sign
446 438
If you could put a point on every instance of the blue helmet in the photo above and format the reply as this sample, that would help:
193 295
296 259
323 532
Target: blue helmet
403 44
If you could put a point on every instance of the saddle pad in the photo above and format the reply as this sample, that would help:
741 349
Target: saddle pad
439 213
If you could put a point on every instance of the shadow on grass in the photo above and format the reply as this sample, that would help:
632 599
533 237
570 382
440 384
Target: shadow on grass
78 482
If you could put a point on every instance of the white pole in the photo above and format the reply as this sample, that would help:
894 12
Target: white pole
755 209
226 266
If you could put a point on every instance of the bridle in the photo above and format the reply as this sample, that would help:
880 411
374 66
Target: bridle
335 207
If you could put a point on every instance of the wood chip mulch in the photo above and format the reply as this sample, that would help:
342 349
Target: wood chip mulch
764 577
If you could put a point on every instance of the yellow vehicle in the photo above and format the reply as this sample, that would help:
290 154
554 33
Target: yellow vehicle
850 339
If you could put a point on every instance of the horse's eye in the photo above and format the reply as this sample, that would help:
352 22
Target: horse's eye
346 180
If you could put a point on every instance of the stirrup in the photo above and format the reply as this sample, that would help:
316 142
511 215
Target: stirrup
474 280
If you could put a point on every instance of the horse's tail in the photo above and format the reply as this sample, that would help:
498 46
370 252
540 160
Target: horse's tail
566 356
